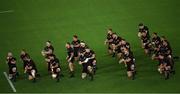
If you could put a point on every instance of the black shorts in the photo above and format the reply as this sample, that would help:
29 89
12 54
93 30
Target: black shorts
130 67
84 68
54 70
24 64
49 66
118 51
147 45
72 60
90 62
29 72
76 51
11 70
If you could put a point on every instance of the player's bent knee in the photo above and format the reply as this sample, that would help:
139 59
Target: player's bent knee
90 68
58 70
14 69
33 72
54 76
129 73
83 76
30 77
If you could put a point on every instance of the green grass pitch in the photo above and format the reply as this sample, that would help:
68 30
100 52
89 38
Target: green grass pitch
32 22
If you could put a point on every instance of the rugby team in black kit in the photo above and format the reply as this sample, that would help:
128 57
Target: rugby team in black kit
157 47
78 51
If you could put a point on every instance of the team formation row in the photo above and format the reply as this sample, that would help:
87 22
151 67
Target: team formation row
157 47
78 51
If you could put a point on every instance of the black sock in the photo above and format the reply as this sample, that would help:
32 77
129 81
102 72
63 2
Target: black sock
167 75
133 75
57 77
94 69
14 77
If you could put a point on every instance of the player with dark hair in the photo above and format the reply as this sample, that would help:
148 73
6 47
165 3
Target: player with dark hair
81 62
115 43
23 57
146 43
55 67
109 40
76 44
122 44
48 50
129 61
143 34
165 66
30 69
87 59
11 61
70 58
156 42
143 28
166 45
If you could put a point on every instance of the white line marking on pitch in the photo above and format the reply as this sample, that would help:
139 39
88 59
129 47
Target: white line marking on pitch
10 83
7 11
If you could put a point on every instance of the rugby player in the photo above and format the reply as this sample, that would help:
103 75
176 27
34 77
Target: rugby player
109 40
82 48
48 50
23 57
88 60
55 67
115 43
156 42
122 44
166 49
30 69
146 43
129 61
165 66
70 58
76 44
143 28
11 61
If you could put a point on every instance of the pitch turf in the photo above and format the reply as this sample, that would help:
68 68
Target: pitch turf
35 21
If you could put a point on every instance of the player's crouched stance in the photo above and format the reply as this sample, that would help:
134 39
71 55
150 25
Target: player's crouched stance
164 67
87 59
48 50
129 61
30 69
11 61
55 67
